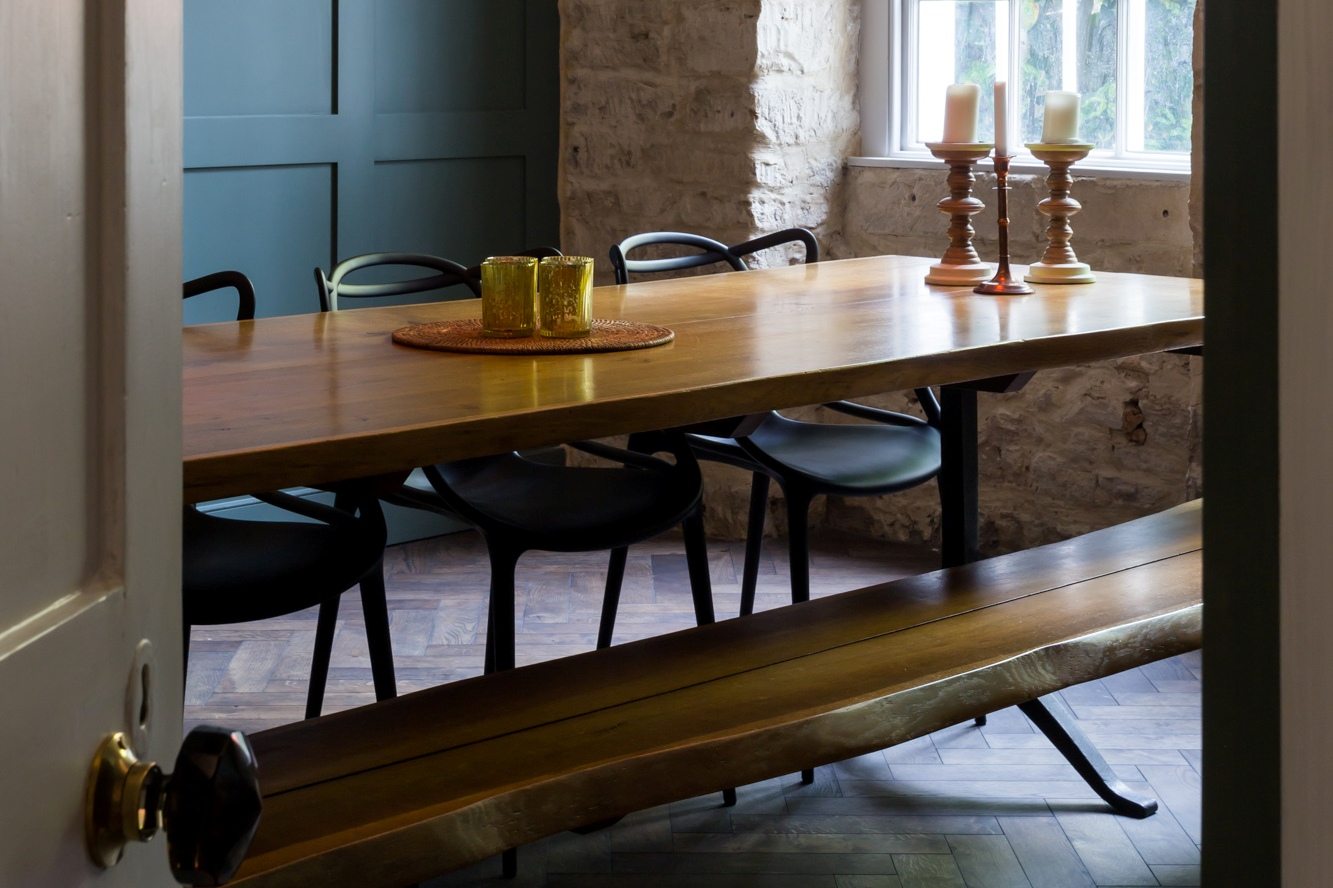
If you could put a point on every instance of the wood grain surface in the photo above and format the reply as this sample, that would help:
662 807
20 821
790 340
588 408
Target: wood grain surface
408 788
316 398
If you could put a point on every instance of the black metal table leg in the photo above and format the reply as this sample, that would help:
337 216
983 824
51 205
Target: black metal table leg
1056 721
958 475
958 480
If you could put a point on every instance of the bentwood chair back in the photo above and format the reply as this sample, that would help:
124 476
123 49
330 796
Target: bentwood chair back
236 571
442 275
334 286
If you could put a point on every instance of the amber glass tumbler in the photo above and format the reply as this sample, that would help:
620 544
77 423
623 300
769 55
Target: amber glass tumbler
508 296
565 288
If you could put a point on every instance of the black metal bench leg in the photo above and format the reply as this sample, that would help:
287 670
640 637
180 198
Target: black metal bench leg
509 863
1054 719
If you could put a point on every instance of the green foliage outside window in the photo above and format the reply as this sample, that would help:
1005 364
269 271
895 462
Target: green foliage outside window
1169 76
1170 80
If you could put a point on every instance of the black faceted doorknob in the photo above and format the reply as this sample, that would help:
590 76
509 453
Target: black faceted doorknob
212 806
209 806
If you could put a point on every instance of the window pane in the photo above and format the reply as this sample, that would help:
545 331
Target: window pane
1071 45
1169 75
1097 24
957 42
1040 27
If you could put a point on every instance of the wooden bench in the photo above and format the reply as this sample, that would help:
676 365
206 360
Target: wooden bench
403 790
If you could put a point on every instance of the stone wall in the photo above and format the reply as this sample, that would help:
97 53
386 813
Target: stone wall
805 97
658 119
726 117
734 117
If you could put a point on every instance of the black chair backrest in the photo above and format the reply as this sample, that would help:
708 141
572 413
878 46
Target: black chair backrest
221 280
710 252
474 271
447 273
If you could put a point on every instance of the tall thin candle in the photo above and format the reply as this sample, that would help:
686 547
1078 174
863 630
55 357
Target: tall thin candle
1001 119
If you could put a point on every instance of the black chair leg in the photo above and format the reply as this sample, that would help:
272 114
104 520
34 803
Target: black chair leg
696 560
376 611
754 540
615 577
319 662
798 545
701 589
798 548
500 649
500 636
489 662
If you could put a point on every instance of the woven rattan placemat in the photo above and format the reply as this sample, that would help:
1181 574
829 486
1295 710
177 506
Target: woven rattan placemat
465 336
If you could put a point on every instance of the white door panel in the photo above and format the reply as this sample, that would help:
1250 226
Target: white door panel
90 162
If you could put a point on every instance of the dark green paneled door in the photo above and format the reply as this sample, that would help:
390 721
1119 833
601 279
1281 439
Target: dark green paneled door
319 129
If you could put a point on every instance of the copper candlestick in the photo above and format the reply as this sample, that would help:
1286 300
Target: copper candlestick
1004 283
960 264
1059 265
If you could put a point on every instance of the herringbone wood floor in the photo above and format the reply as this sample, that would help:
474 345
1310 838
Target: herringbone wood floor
988 807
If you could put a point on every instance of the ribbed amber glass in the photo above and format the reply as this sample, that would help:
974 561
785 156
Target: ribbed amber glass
508 296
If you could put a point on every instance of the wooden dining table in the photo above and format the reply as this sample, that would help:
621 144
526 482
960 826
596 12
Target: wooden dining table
324 397
320 398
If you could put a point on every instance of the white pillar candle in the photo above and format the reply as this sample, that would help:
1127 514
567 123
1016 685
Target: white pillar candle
1060 122
1001 119
960 112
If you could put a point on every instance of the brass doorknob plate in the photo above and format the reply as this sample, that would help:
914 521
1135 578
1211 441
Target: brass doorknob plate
123 801
209 805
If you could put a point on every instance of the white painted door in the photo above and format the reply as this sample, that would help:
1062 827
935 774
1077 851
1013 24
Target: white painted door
90 160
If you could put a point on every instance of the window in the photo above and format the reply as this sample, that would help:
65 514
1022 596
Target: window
1131 61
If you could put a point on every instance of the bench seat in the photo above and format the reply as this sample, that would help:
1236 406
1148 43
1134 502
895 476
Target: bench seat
406 789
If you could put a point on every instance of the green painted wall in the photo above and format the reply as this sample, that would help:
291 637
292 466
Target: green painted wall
320 129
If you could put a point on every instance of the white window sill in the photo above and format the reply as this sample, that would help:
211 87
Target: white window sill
1086 169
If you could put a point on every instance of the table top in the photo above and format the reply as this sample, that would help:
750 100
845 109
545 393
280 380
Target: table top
315 398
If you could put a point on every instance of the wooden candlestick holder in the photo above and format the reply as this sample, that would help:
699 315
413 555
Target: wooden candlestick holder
1004 283
960 263
1058 264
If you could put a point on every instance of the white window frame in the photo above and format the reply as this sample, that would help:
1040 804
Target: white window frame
887 91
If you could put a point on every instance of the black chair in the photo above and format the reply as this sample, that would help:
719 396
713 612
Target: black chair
235 571
806 459
521 502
